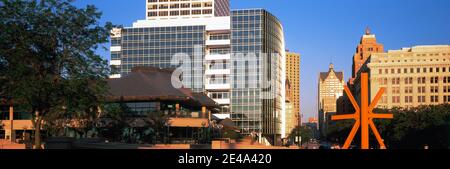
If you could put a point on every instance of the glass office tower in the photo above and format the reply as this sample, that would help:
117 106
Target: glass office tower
257 102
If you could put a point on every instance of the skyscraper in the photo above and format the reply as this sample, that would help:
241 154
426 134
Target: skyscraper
331 87
293 75
258 79
236 57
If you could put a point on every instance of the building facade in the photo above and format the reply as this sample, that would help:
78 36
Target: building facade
290 120
176 9
293 75
146 90
331 87
258 77
414 76
226 54
367 45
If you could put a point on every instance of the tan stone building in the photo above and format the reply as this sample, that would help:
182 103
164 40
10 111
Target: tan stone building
291 120
414 76
293 75
331 87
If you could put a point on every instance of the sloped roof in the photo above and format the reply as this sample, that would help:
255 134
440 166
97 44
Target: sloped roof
324 75
153 84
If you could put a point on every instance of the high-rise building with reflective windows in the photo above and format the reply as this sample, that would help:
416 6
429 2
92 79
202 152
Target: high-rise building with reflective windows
235 57
257 96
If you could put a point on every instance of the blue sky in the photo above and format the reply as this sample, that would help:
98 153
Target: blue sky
326 30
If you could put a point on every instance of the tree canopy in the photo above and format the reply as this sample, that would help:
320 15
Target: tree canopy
48 60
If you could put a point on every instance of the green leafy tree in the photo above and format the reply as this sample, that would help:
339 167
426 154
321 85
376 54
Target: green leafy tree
305 132
47 58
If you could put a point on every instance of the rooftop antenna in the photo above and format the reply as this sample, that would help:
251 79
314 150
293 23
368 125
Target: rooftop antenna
368 30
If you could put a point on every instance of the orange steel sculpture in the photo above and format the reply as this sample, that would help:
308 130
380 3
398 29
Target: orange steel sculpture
363 117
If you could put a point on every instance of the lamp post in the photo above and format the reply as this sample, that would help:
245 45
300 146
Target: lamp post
203 131
220 126
212 127
167 124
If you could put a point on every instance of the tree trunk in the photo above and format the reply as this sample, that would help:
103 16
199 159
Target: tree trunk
37 131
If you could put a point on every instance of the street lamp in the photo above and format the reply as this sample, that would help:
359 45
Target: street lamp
167 124
203 130
220 126
212 126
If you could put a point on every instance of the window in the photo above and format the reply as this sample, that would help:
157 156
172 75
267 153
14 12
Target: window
163 13
219 95
434 80
447 79
421 99
174 6
434 99
163 6
446 89
421 89
395 99
185 12
408 99
396 81
196 12
421 80
408 80
383 81
185 5
196 5
153 14
408 89
208 4
396 90
174 13
434 89
207 11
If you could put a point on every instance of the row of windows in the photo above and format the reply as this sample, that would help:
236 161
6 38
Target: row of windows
213 51
178 13
420 99
225 36
179 5
420 89
158 30
149 1
412 70
418 60
219 95
409 80
162 37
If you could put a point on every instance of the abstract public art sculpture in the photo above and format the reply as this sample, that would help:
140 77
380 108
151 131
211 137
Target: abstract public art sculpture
363 115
